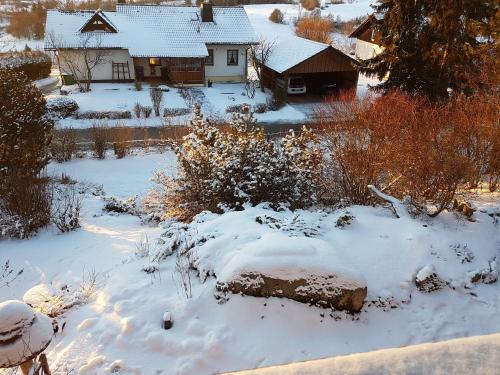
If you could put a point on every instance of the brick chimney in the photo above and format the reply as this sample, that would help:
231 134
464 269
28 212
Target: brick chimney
207 14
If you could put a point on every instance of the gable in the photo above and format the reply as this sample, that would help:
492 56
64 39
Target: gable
329 60
98 23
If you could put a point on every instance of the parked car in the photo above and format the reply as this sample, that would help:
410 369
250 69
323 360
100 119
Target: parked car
329 89
296 85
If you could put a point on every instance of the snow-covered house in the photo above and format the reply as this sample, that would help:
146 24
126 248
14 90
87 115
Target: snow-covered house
188 45
368 37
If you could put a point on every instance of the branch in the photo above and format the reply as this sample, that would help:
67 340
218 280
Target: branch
397 207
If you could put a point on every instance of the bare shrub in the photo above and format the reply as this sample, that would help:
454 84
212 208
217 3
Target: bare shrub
7 274
99 135
137 110
405 145
478 124
310 4
184 264
67 206
122 138
277 16
250 87
63 145
156 97
259 55
315 28
146 111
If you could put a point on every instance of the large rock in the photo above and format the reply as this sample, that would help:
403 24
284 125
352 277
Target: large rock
427 280
324 290
303 269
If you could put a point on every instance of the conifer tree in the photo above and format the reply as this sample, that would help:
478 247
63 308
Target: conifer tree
431 46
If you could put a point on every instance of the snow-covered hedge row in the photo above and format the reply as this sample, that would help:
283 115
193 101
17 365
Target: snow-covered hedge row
61 106
36 65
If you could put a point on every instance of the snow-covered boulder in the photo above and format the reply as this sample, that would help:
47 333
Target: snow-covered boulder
487 275
24 333
427 280
303 269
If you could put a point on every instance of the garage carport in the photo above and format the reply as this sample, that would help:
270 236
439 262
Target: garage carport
323 67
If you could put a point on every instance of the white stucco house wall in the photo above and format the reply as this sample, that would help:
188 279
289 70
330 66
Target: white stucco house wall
178 45
368 38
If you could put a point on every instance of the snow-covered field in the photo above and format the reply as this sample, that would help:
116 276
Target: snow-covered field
120 329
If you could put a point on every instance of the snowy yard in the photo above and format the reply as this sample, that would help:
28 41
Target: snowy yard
120 329
214 101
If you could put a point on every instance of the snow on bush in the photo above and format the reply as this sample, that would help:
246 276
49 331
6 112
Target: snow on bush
36 65
101 115
61 106
227 169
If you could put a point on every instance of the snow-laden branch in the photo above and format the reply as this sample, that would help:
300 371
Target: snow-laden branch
398 208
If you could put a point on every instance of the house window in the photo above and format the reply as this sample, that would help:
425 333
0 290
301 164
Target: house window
209 60
232 57
154 61
185 65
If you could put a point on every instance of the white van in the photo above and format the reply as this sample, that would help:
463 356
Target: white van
296 85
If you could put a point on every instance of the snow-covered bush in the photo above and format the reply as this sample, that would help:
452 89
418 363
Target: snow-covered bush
119 206
61 106
101 115
24 152
234 108
237 167
35 65
260 108
174 112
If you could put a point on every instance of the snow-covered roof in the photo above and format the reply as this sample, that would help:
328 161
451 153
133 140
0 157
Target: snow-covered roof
291 51
145 30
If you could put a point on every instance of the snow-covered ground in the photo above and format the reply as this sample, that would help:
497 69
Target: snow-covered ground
214 101
120 329
10 43
477 355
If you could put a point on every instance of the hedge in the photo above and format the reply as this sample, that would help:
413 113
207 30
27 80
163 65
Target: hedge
36 65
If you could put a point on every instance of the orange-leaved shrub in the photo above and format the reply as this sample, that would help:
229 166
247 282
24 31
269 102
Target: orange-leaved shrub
408 147
315 28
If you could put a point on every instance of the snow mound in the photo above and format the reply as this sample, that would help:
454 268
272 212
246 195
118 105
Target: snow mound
23 333
473 355
39 295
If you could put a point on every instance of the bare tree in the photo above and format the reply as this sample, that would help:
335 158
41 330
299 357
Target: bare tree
156 97
259 55
83 59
